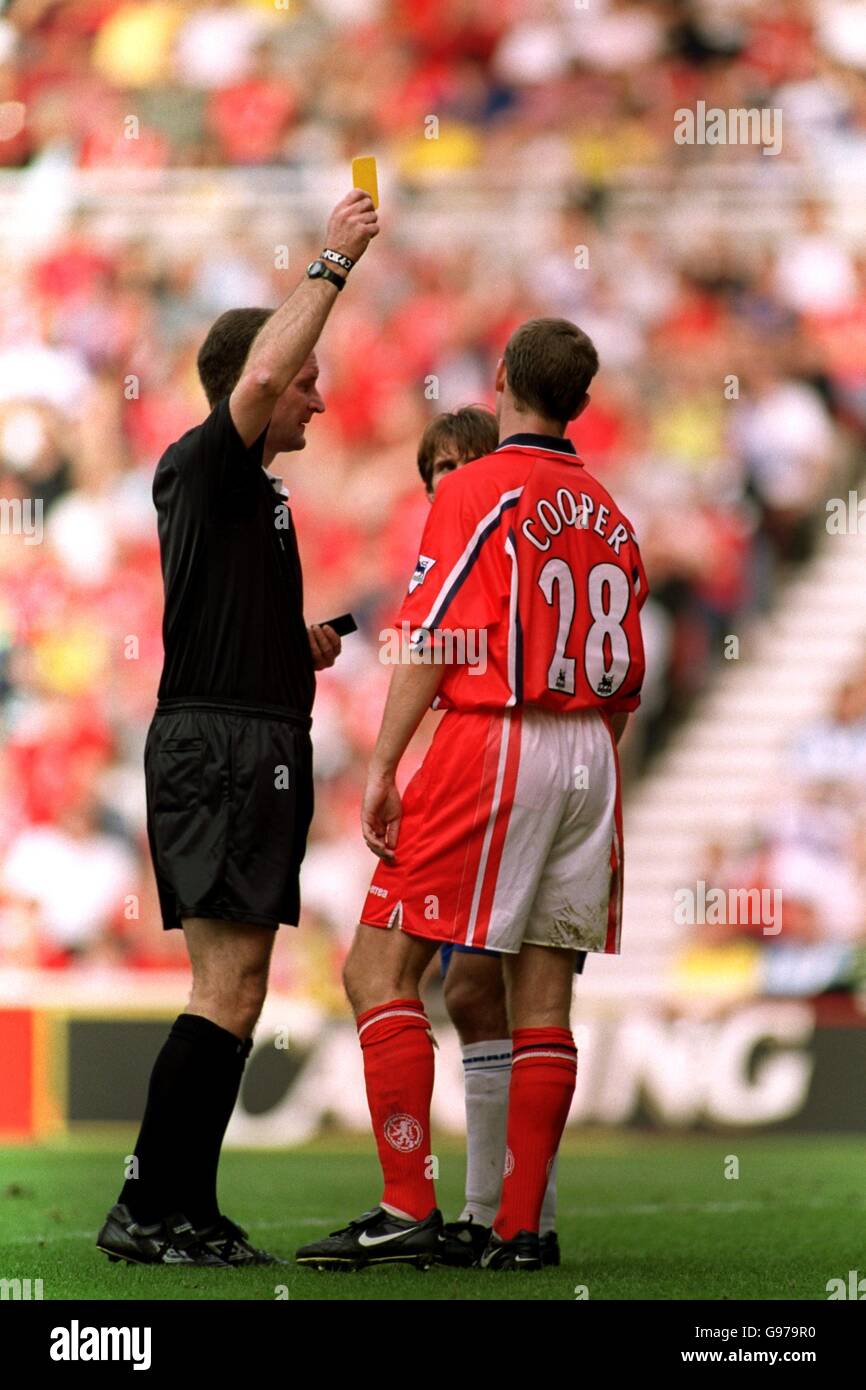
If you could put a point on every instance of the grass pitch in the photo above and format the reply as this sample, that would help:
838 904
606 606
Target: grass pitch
640 1217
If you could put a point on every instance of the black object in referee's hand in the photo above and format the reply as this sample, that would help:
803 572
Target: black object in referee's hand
342 625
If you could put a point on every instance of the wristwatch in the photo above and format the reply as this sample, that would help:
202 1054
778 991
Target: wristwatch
317 270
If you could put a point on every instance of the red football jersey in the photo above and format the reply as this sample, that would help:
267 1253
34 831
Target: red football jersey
531 582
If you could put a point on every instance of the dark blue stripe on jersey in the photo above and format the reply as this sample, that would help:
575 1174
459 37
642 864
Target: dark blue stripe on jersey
438 614
518 637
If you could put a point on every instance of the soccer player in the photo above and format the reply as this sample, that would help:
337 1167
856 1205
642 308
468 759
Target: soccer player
228 759
473 983
509 835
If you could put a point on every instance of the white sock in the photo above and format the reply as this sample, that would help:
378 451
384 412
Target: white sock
487 1073
547 1221
395 1211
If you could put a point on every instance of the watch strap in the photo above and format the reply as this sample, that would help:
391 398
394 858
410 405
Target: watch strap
326 274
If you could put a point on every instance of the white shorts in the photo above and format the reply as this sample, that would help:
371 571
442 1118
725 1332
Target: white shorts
511 833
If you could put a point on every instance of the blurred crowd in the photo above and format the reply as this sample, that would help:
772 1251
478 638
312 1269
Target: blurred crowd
807 859
731 400
587 87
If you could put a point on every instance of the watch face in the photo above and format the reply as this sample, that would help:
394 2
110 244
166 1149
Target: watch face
315 268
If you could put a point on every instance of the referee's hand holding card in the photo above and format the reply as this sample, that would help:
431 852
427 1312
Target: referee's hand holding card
325 644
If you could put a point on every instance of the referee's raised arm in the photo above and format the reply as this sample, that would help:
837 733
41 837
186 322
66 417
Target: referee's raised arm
289 336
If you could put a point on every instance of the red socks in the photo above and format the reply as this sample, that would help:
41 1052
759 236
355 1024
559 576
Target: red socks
398 1067
397 1047
543 1072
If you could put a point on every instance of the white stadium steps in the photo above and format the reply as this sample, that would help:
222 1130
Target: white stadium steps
725 766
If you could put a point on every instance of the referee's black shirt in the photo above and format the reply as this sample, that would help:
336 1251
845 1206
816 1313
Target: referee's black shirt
234 628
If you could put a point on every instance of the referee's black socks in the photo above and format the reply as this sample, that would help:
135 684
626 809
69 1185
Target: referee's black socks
193 1088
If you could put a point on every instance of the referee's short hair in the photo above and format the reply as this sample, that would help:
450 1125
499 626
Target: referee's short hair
549 364
224 351
471 431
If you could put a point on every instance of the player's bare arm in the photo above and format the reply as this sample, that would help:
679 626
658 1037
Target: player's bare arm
289 336
410 693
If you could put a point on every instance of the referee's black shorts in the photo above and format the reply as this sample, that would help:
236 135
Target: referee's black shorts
229 804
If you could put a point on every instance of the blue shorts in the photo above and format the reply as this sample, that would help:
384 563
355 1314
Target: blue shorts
446 951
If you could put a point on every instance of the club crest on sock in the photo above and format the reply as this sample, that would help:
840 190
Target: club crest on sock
403 1133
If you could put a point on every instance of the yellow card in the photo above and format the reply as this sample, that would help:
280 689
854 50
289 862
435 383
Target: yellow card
364 176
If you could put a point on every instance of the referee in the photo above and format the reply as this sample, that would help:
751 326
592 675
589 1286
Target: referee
228 758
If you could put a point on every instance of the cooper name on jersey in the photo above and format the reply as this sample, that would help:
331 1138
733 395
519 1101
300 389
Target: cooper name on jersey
550 517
